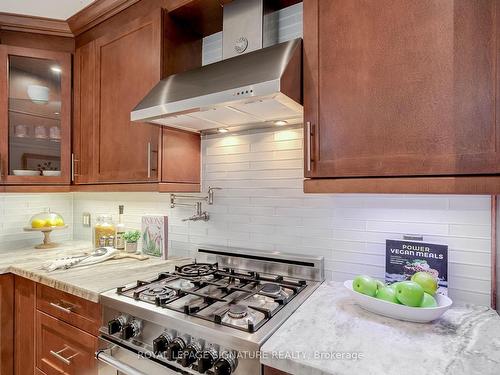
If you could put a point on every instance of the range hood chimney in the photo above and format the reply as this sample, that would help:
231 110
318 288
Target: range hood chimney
257 84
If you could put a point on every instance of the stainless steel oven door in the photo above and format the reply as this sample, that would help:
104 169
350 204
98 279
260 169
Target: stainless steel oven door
117 360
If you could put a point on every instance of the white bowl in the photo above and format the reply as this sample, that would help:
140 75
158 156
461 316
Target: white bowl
51 173
25 172
38 94
401 312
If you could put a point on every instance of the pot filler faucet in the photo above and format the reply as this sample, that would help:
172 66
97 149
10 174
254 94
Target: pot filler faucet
200 214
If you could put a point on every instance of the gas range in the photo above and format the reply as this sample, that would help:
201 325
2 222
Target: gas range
211 316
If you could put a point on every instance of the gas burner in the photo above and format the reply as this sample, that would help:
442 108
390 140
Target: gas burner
196 270
237 311
271 290
151 293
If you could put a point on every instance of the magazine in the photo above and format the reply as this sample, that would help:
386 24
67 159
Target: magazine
155 236
405 258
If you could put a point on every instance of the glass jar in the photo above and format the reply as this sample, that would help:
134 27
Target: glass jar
104 231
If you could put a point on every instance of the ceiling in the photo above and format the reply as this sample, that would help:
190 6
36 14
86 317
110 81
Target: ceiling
57 9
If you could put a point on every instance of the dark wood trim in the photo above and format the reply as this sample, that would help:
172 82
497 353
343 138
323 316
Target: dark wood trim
36 189
494 208
118 187
96 13
6 324
32 24
406 185
178 188
273 371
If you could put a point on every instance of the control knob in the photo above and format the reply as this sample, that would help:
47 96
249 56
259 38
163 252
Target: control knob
190 354
226 364
161 342
174 348
131 329
206 360
116 325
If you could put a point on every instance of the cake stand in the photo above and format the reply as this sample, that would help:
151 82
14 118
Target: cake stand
47 244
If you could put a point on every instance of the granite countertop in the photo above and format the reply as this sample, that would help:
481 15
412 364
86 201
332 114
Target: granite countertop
87 281
464 341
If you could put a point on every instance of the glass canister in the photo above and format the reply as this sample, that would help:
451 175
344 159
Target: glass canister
104 231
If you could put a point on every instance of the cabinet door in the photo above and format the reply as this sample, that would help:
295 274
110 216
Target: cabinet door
24 326
128 65
395 88
6 324
35 116
63 349
180 157
83 119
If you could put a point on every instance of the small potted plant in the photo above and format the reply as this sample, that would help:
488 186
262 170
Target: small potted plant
131 237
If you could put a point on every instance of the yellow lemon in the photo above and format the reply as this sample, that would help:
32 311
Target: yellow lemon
59 222
38 223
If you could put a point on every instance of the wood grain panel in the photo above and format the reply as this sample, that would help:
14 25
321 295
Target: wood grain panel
6 324
128 66
79 312
404 88
406 185
55 336
24 326
39 41
83 115
181 160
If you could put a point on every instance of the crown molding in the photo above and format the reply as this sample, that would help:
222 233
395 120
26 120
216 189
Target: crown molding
32 24
96 13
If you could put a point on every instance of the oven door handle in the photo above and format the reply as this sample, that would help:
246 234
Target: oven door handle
108 359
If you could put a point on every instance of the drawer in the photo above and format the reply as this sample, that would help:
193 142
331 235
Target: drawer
77 311
63 349
39 372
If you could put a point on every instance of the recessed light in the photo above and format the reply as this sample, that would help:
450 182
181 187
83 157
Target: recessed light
280 123
56 69
222 130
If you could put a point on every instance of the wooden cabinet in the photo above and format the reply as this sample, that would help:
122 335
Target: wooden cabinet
24 326
273 371
35 116
62 348
54 332
81 313
400 88
114 72
6 324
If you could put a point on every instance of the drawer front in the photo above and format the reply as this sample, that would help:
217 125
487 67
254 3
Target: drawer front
63 349
77 311
39 372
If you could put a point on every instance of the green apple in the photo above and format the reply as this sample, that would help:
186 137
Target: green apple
426 281
409 293
387 294
393 285
380 284
365 285
428 301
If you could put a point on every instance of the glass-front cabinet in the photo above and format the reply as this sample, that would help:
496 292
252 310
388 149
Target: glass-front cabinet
35 110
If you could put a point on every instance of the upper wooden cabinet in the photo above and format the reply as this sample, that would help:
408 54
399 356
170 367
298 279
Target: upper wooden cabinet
113 72
400 88
35 116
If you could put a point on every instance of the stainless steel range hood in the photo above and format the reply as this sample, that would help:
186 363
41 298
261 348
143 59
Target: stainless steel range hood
253 89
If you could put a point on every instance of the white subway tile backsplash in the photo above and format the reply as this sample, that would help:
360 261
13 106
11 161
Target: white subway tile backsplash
262 206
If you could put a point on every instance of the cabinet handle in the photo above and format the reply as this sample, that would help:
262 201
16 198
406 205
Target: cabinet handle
66 360
308 141
149 159
67 310
73 162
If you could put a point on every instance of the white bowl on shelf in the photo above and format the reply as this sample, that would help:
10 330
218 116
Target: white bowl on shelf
25 172
51 173
38 94
401 312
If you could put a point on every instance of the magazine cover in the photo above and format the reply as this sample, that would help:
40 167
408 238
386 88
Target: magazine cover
405 258
155 236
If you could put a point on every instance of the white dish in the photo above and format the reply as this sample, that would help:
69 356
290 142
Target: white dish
401 312
24 172
38 94
51 173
